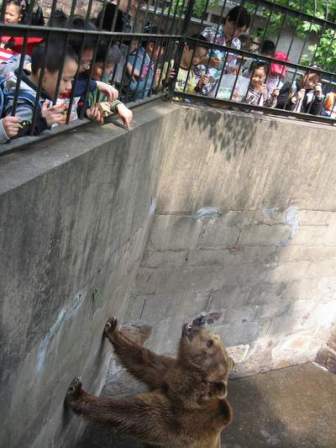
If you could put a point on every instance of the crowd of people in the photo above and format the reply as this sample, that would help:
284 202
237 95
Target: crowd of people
62 78
259 81
47 82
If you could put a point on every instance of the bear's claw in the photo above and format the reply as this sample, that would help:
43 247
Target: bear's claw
75 388
110 325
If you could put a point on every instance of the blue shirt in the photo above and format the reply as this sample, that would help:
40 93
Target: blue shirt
141 61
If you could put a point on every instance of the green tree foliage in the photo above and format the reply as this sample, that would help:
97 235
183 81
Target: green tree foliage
199 9
323 52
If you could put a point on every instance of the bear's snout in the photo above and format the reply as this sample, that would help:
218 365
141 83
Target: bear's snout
199 321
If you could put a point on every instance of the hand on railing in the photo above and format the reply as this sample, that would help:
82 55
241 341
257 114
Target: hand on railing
95 113
133 72
276 93
11 126
263 90
301 93
111 92
171 73
318 91
125 114
56 114
204 80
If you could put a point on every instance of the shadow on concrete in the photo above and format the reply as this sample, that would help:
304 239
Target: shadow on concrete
231 137
287 408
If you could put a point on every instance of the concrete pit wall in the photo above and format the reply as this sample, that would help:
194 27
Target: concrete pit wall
262 261
74 217
102 221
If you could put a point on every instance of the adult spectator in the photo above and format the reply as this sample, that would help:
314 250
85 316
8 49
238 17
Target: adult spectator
117 16
235 23
305 95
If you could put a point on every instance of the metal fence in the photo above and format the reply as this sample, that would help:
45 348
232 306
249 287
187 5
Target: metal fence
280 58
60 59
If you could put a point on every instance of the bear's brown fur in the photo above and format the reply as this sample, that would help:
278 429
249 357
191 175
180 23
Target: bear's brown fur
186 407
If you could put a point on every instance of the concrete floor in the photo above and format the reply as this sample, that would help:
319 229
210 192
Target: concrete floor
288 408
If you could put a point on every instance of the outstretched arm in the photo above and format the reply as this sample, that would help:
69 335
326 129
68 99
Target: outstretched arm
139 361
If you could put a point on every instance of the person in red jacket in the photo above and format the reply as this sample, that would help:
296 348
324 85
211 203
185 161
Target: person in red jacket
14 15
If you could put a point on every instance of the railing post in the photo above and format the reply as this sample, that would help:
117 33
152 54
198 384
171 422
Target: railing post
187 16
178 55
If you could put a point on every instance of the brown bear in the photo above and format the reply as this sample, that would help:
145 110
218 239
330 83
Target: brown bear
186 406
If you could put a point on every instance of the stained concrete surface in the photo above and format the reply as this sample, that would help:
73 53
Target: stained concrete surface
103 221
287 408
290 408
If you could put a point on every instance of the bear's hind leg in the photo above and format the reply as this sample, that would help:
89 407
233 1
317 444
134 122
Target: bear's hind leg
133 417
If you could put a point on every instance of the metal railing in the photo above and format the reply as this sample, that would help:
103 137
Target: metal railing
298 81
273 57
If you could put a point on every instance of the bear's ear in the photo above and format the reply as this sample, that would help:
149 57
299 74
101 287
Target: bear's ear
219 389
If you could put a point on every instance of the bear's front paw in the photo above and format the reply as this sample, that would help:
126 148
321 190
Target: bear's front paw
74 390
110 326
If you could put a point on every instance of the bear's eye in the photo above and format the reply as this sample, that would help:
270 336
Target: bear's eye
210 343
